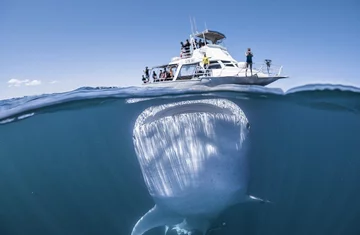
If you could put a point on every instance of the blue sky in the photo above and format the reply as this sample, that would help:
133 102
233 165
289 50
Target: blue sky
52 46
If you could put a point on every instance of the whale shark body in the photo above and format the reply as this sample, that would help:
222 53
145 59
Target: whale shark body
193 158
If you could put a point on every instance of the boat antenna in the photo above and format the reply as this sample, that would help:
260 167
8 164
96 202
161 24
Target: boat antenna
205 26
191 25
195 28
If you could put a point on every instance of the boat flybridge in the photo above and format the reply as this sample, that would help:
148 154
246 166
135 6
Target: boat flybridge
188 68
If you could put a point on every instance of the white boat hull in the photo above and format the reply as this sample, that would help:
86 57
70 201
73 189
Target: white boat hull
215 81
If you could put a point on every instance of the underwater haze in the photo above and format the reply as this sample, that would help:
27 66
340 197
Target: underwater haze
68 164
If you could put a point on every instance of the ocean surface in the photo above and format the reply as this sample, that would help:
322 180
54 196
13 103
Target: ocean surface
68 165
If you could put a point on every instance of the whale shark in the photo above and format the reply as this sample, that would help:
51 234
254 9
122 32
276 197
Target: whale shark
193 156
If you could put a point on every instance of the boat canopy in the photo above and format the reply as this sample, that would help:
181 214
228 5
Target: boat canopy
160 66
164 66
211 35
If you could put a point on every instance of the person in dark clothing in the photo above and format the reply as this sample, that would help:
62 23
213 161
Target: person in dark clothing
201 43
195 44
144 79
161 74
154 76
187 48
249 55
182 45
146 71
182 51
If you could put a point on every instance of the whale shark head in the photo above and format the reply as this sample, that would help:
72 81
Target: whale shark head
193 158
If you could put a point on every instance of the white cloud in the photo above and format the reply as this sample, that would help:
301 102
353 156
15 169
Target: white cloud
33 83
53 82
16 82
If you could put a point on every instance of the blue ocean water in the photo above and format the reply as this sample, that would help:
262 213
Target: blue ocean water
68 165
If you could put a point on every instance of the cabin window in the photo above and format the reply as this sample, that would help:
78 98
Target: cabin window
214 65
187 71
228 63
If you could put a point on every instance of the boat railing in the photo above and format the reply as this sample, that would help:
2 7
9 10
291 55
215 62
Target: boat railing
163 79
201 72
185 55
270 69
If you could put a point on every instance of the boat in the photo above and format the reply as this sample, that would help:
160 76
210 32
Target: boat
222 68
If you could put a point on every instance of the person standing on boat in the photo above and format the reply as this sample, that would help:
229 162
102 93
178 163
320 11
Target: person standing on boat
146 71
206 64
196 44
187 48
249 61
171 73
205 61
154 76
160 74
182 51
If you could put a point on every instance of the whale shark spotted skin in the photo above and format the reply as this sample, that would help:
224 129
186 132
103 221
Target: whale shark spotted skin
193 158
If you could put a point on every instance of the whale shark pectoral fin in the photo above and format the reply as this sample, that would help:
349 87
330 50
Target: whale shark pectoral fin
155 217
251 198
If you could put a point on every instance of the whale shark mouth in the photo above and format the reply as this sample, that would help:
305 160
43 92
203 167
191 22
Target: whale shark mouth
222 107
176 143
